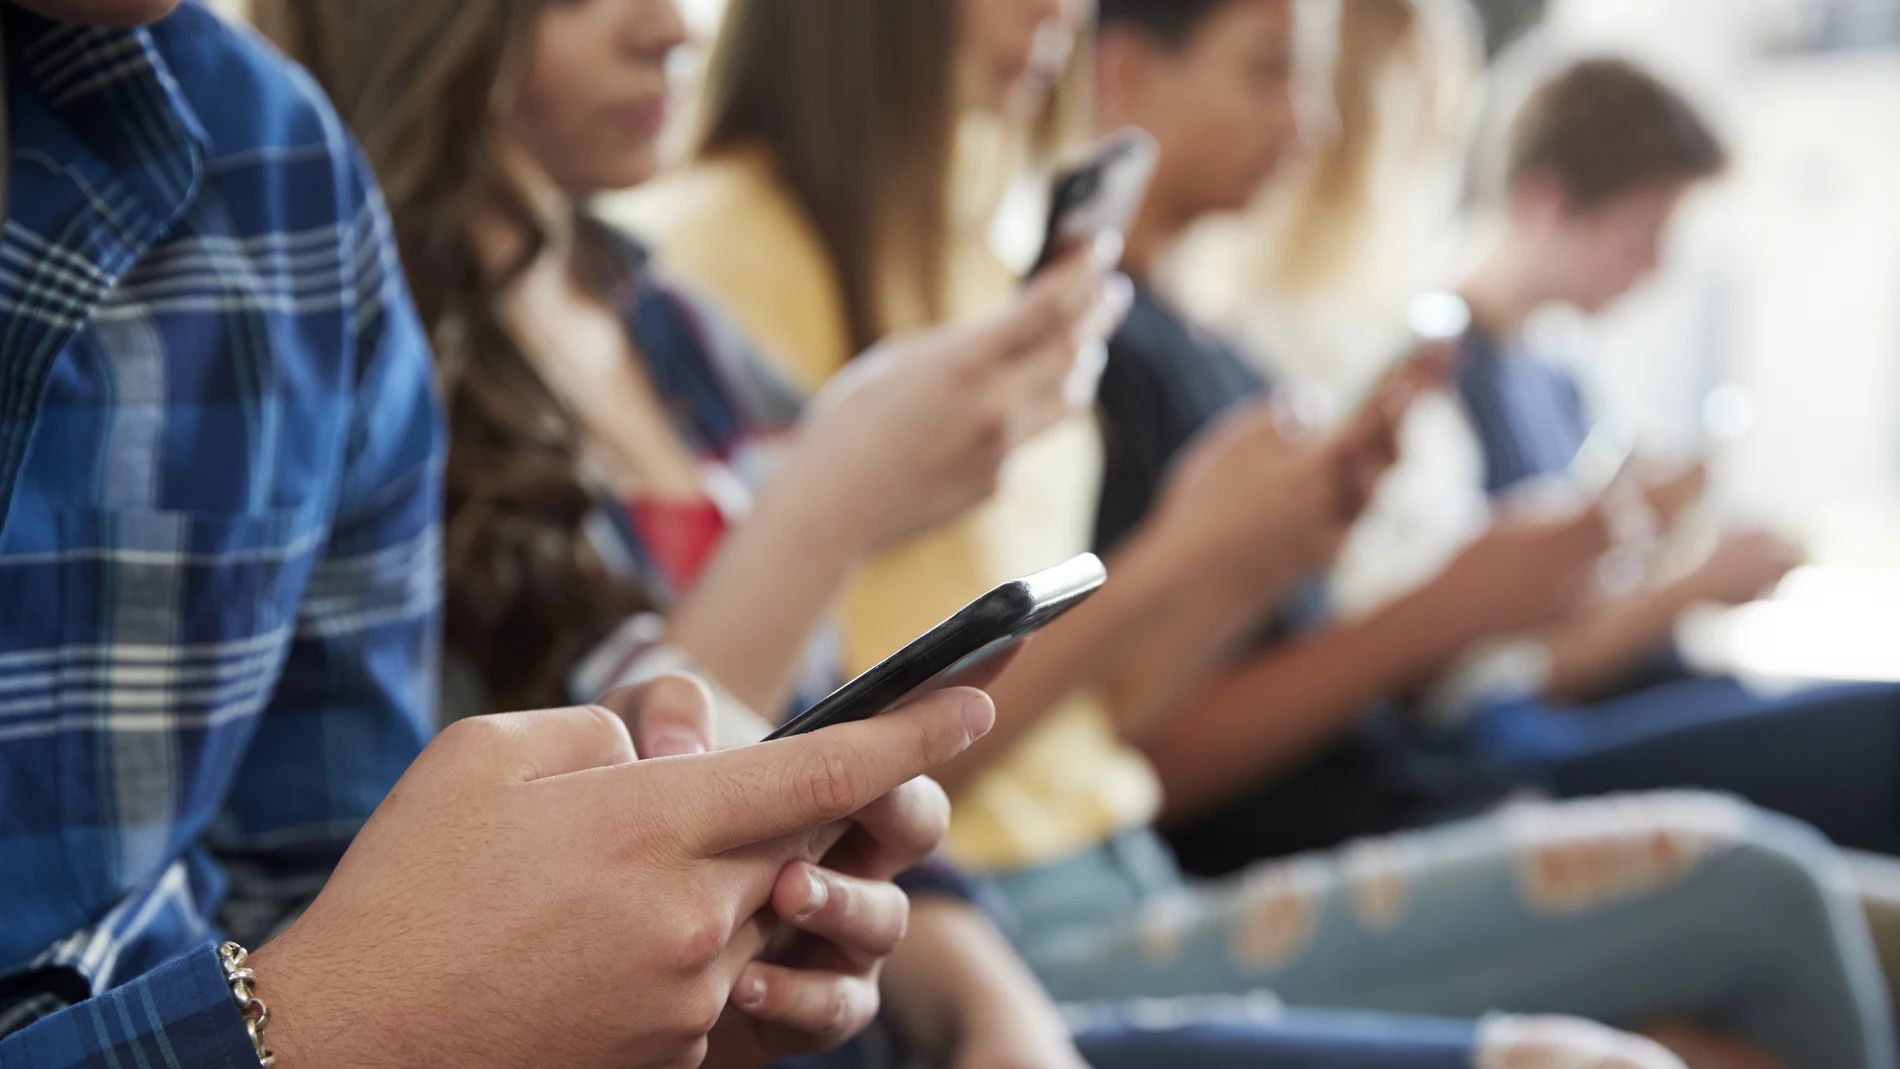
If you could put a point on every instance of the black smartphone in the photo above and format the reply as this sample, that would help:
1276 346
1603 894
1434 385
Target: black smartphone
1103 192
956 649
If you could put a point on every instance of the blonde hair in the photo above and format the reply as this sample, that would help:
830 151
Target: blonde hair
1323 217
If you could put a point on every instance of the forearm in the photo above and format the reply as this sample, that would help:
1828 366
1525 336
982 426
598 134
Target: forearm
748 620
955 974
1265 716
1609 641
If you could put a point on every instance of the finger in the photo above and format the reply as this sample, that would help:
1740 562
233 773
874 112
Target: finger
893 833
985 670
829 1007
669 717
1048 310
865 919
733 798
544 744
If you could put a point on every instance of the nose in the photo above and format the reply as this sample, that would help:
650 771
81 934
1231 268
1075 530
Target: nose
652 27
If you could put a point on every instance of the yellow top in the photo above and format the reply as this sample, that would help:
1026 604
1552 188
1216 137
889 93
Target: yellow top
728 227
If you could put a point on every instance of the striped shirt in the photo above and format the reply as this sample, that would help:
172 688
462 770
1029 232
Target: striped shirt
219 485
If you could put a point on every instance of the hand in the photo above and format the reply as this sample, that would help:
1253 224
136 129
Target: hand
530 892
916 431
1672 495
1744 567
1253 498
1265 501
819 989
1524 573
1368 446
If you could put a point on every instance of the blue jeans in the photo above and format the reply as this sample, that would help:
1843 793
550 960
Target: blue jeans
1626 910
1238 1041
1829 756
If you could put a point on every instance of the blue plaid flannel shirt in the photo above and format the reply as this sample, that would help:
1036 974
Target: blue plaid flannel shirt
219 486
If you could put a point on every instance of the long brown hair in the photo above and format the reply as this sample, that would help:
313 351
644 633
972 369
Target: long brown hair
429 86
855 102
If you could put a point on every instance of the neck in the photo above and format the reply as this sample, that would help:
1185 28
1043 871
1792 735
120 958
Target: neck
501 239
1157 227
1500 292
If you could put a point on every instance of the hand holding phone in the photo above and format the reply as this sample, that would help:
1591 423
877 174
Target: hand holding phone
1102 194
963 650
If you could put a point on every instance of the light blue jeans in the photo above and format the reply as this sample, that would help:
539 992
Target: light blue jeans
1631 910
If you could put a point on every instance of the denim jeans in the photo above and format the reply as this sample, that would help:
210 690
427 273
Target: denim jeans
1627 910
1829 756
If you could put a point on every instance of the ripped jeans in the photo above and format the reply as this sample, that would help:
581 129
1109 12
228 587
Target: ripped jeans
1630 910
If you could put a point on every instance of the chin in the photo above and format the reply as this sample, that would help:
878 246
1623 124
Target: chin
120 13
619 176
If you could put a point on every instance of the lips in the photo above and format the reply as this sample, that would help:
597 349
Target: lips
644 117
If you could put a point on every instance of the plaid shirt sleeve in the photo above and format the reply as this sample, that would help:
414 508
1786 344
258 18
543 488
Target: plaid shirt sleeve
181 1015
356 700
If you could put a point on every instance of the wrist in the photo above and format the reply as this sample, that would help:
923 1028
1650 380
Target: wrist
823 532
1453 619
296 992
278 988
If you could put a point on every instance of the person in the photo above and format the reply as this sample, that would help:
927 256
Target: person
1616 707
221 490
1099 911
953 985
729 524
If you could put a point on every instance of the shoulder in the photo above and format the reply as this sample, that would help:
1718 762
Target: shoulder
728 227
255 106
728 209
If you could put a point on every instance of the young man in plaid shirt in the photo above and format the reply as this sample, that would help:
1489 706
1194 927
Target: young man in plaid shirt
219 580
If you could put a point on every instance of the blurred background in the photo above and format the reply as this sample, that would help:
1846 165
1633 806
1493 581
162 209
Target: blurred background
1772 338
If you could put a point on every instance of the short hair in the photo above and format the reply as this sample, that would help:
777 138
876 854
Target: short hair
1604 128
1170 21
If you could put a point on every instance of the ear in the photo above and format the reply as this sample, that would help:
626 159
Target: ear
1539 200
1124 64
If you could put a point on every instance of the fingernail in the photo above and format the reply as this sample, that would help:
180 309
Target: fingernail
750 994
676 744
979 713
817 893
1107 252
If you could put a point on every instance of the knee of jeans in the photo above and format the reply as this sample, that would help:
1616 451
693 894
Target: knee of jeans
1564 1043
1582 854
1791 867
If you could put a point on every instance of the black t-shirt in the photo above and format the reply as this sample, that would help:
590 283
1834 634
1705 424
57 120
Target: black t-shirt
1166 381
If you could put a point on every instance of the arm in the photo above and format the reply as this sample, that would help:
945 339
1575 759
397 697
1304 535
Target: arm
354 702
181 1013
1261 716
1607 641
1278 709
749 618
1242 517
959 992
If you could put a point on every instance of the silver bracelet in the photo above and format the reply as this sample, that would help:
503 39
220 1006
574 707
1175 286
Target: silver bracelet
237 972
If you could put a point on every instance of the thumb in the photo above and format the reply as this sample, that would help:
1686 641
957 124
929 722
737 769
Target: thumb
672 716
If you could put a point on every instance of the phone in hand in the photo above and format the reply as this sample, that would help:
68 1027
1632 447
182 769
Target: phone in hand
960 648
1102 193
